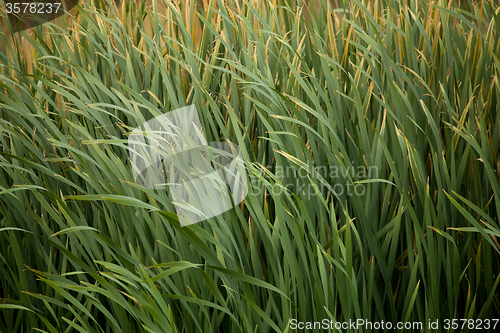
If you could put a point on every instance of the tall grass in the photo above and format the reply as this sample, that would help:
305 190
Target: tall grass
408 88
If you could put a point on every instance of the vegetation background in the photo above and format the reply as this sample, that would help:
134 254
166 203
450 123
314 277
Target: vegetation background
410 87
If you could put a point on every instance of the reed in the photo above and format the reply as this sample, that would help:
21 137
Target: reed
407 88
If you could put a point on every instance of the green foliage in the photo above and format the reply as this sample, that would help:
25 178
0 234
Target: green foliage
409 88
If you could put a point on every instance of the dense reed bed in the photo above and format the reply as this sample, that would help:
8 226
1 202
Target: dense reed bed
370 134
